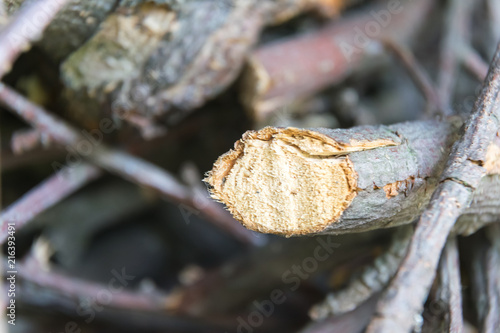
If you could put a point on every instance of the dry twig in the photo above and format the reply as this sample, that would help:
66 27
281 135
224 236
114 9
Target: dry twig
123 164
45 195
450 286
407 292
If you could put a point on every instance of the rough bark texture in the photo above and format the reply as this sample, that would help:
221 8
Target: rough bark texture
465 168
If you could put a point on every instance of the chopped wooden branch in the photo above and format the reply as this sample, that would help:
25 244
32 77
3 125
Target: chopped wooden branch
281 72
123 164
292 181
45 195
25 28
466 166
372 280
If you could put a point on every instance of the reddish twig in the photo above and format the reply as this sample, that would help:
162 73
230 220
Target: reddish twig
408 290
130 167
41 286
26 27
45 195
30 270
293 68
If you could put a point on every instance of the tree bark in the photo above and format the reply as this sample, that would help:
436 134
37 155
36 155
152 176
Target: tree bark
386 177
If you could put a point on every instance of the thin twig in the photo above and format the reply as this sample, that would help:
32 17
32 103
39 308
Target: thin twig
491 321
408 290
451 288
45 195
41 286
130 167
474 63
456 24
24 29
371 281
417 74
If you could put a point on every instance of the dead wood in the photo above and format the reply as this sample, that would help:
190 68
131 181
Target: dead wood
364 178
463 173
122 163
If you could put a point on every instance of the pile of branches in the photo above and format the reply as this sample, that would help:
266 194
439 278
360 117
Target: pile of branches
142 90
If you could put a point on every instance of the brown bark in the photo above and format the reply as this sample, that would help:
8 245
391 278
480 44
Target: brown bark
281 72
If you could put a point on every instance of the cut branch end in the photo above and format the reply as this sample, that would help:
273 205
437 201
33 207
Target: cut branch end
268 180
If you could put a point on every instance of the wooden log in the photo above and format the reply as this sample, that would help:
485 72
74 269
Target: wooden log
292 181
291 69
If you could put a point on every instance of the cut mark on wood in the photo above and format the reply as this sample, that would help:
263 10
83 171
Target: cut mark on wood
391 190
287 181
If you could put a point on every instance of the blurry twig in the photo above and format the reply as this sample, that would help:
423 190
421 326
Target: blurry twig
130 167
418 75
46 195
474 63
450 285
23 29
42 287
407 292
456 26
371 281
491 321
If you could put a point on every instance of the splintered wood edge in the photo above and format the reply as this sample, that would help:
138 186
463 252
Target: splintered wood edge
287 181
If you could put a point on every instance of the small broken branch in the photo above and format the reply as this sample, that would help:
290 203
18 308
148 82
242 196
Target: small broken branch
372 280
419 77
45 195
408 290
25 28
124 164
60 291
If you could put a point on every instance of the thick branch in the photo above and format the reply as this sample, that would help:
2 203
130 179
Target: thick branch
409 288
360 179
281 72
